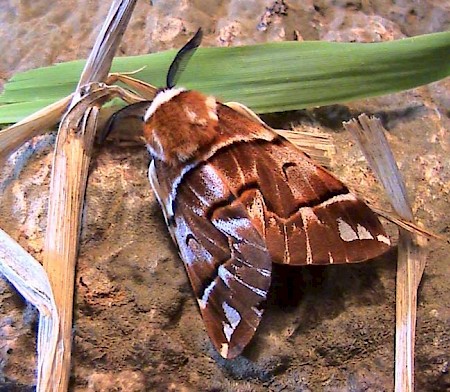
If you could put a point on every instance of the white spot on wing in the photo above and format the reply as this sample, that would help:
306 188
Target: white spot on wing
204 300
363 233
307 214
330 258
224 350
233 317
225 275
346 232
383 238
195 253
162 97
214 184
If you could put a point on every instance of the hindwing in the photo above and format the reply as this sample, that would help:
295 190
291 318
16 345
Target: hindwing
305 215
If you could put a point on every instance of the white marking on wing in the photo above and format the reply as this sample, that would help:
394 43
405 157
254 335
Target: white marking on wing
155 153
287 255
338 199
160 99
215 188
233 227
307 214
238 246
227 276
233 317
194 252
176 183
330 258
262 271
258 312
383 238
273 223
224 350
256 209
204 300
199 196
346 232
198 211
363 233
257 291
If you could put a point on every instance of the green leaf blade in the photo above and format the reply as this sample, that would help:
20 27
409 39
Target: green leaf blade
268 78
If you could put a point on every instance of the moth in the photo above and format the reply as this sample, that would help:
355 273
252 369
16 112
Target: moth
237 197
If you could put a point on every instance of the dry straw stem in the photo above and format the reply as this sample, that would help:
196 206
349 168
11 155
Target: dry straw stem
68 181
144 89
14 136
370 136
29 278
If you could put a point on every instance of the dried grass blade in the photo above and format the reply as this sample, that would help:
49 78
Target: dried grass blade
146 90
318 146
30 280
14 136
68 183
369 134
408 225
99 61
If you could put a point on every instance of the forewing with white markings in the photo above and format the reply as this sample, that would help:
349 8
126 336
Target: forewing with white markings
225 256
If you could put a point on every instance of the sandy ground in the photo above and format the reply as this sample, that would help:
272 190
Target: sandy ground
137 326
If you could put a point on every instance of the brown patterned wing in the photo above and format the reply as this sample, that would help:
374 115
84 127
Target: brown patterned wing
225 256
304 213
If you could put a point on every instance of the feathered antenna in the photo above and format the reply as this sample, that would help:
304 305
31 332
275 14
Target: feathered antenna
182 58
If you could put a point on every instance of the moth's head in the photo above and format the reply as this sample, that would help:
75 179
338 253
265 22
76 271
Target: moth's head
179 122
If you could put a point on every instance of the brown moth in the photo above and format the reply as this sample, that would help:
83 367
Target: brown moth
238 197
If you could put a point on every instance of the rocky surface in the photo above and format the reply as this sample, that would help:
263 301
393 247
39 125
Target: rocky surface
137 327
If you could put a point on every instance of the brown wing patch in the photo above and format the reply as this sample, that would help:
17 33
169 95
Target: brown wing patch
305 214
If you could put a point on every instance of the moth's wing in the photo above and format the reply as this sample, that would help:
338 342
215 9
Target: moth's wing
225 257
304 213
